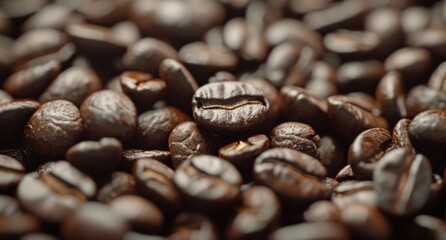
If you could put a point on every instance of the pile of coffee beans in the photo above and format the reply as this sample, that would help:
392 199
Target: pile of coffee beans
222 119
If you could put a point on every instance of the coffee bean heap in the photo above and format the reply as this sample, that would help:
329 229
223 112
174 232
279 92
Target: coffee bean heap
222 119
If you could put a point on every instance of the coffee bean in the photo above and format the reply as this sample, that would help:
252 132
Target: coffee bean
360 76
258 215
332 231
64 55
54 16
302 106
422 98
390 97
74 85
322 80
154 181
142 88
222 76
21 8
345 174
12 227
193 225
400 134
53 128
294 176
119 184
424 38
289 63
353 45
147 54
142 215
179 82
331 153
95 41
402 182
154 127
323 211
38 236
93 221
262 14
97 158
242 154
366 222
244 38
55 194
187 140
14 116
352 192
203 60
4 96
32 81
129 156
229 107
438 78
11 172
127 32
366 151
295 135
109 114
349 119
208 183
93 11
279 32
428 227
9 206
426 133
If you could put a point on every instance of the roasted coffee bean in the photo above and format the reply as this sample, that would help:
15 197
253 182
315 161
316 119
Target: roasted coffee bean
55 16
74 85
12 227
258 214
38 236
4 96
422 98
14 116
295 135
345 174
95 41
351 192
360 76
94 11
413 63
366 222
322 211
289 63
180 83
55 194
142 215
154 127
208 183
37 43
415 19
331 154
244 38
348 14
427 133
11 172
428 227
94 221
119 184
324 230
279 32
191 226
400 135
9 206
97 158
187 140
349 119
155 182
294 176
127 32
109 114
367 149
64 55
402 182
353 45
222 76
32 81
390 96
147 54
438 78
114 84
229 107
22 8
431 39
301 106
129 156
322 80
142 88
53 128
242 154
203 60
